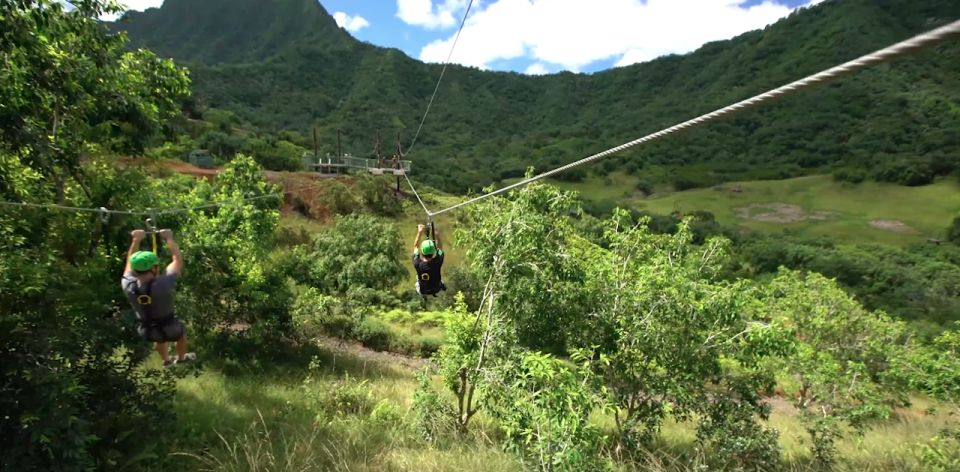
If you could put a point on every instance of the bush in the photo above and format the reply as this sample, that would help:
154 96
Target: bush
432 415
387 414
644 186
375 334
572 175
854 176
905 172
953 233
345 397
682 183
429 346
359 251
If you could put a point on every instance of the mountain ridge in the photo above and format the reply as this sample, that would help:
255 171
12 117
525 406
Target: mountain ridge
508 121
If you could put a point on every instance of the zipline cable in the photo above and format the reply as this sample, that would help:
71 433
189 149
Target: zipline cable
416 194
150 213
430 103
442 72
917 42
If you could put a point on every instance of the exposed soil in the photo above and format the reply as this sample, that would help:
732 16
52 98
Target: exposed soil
781 213
893 225
359 351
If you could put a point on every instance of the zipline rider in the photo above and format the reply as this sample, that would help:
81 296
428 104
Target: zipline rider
151 295
428 260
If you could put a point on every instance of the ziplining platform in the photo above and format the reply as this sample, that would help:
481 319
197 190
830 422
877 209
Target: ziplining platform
333 164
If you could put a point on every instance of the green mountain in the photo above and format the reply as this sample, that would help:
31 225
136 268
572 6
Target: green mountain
284 65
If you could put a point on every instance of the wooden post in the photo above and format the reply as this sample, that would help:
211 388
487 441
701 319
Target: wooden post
339 149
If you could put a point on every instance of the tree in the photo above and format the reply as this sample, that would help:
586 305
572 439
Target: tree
360 251
676 340
73 394
226 280
841 371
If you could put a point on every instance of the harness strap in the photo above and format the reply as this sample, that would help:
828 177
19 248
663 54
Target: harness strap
145 300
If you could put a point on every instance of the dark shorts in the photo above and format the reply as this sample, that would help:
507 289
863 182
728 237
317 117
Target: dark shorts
165 331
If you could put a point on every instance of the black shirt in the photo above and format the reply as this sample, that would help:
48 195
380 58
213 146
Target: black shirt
428 272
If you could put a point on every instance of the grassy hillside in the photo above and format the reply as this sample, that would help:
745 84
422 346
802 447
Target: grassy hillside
489 125
850 213
814 205
355 413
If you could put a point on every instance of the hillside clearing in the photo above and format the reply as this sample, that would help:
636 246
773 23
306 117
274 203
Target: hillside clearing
814 205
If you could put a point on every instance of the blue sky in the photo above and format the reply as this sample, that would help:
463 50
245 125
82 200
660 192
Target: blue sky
548 36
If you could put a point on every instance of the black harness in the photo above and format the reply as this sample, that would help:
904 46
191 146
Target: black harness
144 298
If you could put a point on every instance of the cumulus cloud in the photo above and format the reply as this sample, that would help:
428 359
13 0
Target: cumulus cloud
138 5
537 68
424 13
572 34
350 23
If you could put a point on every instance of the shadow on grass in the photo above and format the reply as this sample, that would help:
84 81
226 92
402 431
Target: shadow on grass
236 356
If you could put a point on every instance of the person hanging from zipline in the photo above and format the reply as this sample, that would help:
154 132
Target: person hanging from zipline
427 260
151 294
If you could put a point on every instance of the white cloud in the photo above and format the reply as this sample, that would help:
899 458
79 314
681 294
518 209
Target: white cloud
350 23
573 33
138 5
537 68
424 13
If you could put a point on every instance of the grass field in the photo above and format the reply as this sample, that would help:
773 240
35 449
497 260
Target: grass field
848 210
355 413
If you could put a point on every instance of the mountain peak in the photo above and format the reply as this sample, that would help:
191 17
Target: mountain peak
231 31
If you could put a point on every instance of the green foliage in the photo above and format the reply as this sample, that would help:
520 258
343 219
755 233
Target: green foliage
275 155
347 396
854 176
295 69
377 197
733 440
543 407
359 251
673 339
374 334
73 394
339 199
433 416
841 369
942 453
905 172
917 284
226 280
313 315
460 361
519 244
953 233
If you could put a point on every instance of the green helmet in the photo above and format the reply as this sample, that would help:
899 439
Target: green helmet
143 261
428 248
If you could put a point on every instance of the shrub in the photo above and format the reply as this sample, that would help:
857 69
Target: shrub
905 172
374 334
572 175
387 414
953 233
432 415
854 176
345 396
359 251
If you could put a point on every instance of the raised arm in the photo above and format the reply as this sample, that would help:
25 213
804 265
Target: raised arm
436 238
416 243
175 267
136 236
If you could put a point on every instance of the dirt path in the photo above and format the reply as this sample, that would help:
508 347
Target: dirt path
360 352
893 225
785 213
